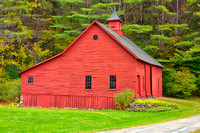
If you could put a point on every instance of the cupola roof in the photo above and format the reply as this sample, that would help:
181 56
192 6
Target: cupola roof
114 17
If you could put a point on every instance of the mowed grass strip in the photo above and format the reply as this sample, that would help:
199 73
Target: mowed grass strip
30 119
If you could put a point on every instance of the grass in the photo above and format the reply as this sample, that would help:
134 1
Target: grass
30 119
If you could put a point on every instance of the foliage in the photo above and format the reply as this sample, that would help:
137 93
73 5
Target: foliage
179 83
33 31
124 98
71 120
103 5
134 1
138 28
162 37
70 1
10 90
163 8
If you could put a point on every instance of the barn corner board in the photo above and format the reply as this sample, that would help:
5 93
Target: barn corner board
87 74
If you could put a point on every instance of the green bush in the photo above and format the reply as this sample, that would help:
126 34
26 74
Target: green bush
155 105
10 90
179 83
124 98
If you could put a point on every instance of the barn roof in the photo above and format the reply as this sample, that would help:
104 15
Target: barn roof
137 51
124 41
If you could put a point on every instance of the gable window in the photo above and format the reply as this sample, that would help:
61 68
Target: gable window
30 79
113 82
88 82
95 37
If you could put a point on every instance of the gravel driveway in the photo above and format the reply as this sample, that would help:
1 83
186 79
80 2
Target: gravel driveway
177 126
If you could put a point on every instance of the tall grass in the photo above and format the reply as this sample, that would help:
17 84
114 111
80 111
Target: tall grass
10 90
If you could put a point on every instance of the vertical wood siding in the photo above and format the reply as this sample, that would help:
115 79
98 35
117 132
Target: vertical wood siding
69 101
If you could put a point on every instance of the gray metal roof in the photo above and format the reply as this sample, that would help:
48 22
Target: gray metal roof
137 51
114 17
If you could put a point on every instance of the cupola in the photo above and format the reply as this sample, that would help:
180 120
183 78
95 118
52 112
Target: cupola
115 23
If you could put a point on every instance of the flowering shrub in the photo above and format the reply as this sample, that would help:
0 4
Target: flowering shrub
124 98
153 105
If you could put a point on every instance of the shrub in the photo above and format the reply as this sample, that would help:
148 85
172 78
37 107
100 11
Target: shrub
10 90
179 83
124 98
154 105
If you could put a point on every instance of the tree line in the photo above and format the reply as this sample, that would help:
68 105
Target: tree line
169 30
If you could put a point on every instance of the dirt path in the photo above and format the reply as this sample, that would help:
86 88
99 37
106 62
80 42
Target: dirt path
185 125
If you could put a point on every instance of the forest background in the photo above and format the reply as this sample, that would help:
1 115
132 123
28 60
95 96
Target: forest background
169 30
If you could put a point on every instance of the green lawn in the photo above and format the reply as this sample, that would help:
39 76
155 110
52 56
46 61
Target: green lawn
29 119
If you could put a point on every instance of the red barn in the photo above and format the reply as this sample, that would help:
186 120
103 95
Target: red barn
87 74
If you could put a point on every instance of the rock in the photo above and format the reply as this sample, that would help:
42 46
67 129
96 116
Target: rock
138 107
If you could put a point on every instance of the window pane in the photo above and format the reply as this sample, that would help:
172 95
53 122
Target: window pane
114 85
88 86
113 82
88 78
30 79
113 78
110 85
88 82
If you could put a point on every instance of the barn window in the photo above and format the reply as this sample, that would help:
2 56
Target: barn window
95 37
30 79
113 82
88 82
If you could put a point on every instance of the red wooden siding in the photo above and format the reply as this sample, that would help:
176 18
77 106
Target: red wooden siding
156 75
65 75
143 70
141 73
148 82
